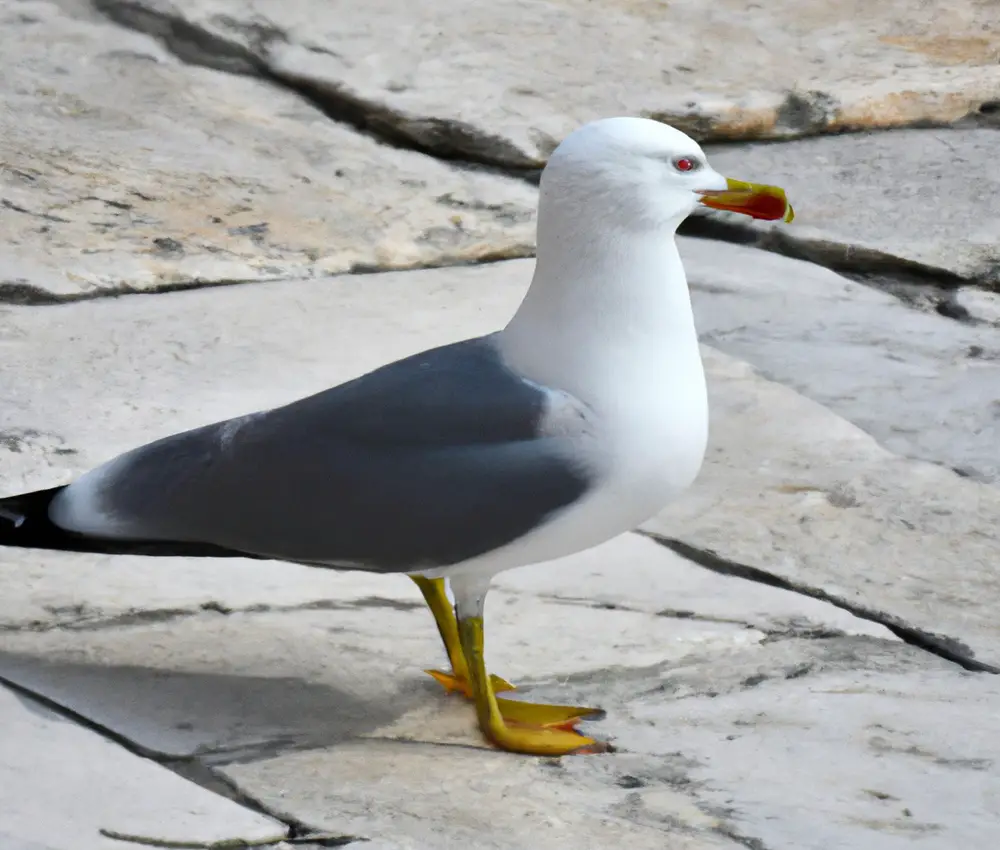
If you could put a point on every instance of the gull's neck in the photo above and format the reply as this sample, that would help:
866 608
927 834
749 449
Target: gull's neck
604 309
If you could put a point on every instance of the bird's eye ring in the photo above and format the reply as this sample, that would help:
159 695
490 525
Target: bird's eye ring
683 163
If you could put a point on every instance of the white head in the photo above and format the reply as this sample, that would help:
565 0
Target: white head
608 277
635 174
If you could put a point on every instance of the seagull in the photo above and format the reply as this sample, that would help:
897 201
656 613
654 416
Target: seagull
579 420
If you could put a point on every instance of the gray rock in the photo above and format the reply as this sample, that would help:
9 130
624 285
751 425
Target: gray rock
455 797
63 783
923 385
873 760
789 486
657 788
980 306
321 714
123 169
143 367
631 573
504 82
137 643
912 202
240 683
305 688
793 490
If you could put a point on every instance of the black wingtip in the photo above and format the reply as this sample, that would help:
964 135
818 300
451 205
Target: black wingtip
15 518
25 524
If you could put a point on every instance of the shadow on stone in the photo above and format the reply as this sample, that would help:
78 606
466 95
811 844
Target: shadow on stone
223 717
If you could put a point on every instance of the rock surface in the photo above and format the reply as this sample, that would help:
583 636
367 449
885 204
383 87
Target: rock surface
923 385
792 489
915 203
874 760
505 81
123 169
304 689
979 305
218 681
782 665
217 366
61 784
880 759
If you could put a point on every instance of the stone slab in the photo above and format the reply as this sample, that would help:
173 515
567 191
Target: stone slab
656 789
874 760
84 381
214 683
123 169
506 81
980 305
235 685
633 573
923 197
923 385
142 368
61 783
793 489
321 715
82 593
462 798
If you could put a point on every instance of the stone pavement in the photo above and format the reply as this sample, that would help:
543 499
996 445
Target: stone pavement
799 655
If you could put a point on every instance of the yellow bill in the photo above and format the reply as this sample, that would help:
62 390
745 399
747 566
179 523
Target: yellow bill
753 199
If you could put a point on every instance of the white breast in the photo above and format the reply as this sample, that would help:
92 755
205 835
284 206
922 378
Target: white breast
612 326
650 443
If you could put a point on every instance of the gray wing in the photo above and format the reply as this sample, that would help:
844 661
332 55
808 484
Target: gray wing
425 462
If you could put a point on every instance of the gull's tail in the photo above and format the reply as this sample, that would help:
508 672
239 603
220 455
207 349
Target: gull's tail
25 524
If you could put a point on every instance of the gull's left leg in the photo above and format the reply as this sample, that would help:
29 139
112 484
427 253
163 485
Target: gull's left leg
444 616
526 732
516 711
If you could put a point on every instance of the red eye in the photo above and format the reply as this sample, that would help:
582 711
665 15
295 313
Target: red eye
685 164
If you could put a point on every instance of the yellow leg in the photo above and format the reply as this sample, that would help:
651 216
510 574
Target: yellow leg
444 616
459 681
516 737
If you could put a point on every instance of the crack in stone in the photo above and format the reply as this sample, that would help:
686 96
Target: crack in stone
948 648
802 114
671 613
320 840
915 284
19 292
441 138
247 754
747 841
84 621
144 617
793 628
259 751
450 140
10 205
466 145
801 629
190 769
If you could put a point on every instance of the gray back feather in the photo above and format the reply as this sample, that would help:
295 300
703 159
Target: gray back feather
427 461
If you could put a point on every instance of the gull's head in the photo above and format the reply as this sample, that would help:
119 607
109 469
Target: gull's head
636 174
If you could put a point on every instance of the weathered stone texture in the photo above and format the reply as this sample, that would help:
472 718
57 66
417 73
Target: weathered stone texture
122 169
506 81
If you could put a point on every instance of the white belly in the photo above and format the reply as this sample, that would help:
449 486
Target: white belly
653 450
609 321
